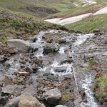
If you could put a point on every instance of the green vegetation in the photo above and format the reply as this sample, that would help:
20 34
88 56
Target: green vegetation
67 96
24 18
101 84
91 64
38 7
13 25
89 24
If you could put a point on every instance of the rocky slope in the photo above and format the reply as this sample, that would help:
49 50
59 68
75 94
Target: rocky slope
53 68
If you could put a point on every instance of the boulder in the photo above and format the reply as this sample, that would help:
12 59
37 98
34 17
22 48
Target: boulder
53 96
29 101
50 48
21 45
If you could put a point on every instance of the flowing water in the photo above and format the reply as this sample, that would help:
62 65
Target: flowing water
60 65
86 85
67 68
87 81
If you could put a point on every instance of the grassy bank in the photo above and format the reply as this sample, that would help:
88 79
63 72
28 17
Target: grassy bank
18 25
101 87
50 8
89 24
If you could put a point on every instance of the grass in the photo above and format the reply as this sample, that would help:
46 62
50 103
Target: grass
15 25
65 8
89 24
66 97
17 21
101 83
91 64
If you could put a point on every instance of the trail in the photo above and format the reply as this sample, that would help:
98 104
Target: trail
70 20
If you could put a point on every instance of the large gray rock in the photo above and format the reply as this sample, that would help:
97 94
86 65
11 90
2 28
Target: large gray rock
29 101
53 96
21 45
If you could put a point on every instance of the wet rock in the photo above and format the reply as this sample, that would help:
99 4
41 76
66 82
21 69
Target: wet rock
104 104
21 45
67 61
34 46
62 41
3 100
60 106
1 68
51 48
28 69
13 102
105 98
70 104
3 58
60 69
97 32
35 68
29 101
34 39
52 96
51 76
33 80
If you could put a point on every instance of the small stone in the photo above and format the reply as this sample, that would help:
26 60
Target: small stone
23 73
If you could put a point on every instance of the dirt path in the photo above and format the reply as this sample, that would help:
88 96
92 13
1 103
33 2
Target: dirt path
74 19
101 11
69 20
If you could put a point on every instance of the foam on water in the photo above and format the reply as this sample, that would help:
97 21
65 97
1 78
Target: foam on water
86 85
82 38
14 65
67 66
62 50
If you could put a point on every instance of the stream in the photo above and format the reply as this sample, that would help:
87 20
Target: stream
67 68
60 62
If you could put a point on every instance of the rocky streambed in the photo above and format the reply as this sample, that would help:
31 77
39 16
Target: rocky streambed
53 69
